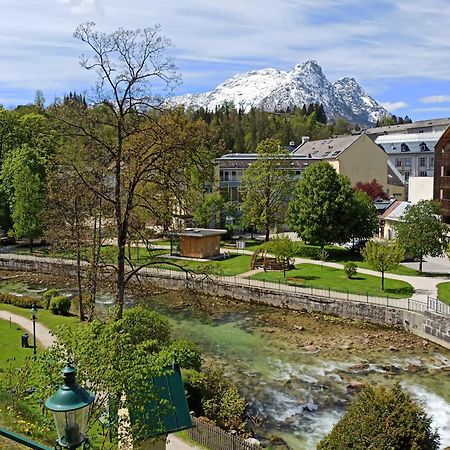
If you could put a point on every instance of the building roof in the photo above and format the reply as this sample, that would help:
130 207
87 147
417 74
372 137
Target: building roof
395 211
392 143
243 160
201 232
327 148
408 126
394 177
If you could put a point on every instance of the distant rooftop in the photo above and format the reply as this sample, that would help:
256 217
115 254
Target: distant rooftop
444 122
432 136
326 148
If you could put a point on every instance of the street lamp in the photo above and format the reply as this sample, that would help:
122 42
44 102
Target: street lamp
33 318
70 405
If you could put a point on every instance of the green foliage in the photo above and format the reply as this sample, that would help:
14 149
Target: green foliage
320 208
362 217
48 295
187 355
220 399
209 210
382 418
383 256
421 231
266 187
60 305
350 269
21 302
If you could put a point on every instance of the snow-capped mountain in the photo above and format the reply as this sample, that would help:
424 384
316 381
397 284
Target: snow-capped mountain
276 90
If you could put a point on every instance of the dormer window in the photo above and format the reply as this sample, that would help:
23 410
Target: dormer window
423 147
404 148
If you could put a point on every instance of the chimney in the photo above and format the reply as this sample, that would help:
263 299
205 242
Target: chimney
292 144
305 139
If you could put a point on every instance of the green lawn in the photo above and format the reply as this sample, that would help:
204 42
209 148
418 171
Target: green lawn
47 318
444 292
336 280
11 351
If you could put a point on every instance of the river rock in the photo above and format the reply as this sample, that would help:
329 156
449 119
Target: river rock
355 386
393 349
390 368
359 367
414 368
253 441
310 348
299 328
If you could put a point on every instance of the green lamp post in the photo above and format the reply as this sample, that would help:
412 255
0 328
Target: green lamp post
70 406
33 312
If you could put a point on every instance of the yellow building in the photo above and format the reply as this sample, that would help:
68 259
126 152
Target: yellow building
357 157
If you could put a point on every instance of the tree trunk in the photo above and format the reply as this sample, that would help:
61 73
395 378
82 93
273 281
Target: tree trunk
79 280
420 263
31 245
267 234
120 281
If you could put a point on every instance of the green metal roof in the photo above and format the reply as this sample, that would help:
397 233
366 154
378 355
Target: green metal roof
169 412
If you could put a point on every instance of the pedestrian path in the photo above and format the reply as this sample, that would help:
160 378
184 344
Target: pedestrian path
47 339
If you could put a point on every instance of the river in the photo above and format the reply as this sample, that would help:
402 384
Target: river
297 369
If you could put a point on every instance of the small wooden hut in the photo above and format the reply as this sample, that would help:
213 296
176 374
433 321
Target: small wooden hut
201 243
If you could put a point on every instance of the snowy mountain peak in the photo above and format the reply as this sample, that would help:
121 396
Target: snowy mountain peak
275 90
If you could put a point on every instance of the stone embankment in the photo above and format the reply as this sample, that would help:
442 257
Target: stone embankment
429 319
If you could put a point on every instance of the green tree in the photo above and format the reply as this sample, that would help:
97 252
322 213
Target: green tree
321 206
383 256
363 220
382 418
283 248
421 231
27 205
209 209
266 187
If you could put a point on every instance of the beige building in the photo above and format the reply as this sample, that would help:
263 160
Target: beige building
357 157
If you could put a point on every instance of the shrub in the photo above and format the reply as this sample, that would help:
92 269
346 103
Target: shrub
219 398
187 354
60 305
16 300
382 418
47 297
350 269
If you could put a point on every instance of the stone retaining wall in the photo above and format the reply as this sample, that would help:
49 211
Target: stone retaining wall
426 324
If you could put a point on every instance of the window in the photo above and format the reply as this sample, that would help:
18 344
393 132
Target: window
406 176
408 162
233 175
398 163
226 175
423 147
422 174
404 148
221 175
422 162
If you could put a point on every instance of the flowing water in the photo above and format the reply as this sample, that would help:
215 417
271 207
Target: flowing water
295 394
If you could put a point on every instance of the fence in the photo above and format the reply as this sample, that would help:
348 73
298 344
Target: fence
215 438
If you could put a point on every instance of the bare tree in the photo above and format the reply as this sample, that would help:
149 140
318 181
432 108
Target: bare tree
136 149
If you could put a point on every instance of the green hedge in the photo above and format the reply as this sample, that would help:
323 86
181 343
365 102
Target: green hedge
20 301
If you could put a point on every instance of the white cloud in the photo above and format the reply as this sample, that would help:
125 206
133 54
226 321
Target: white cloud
373 41
394 106
436 99
432 109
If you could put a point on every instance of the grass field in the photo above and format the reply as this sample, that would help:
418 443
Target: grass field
336 280
444 292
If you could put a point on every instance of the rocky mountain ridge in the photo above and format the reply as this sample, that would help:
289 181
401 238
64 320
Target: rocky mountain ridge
276 90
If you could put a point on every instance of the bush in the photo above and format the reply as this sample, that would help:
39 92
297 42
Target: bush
20 301
219 398
60 305
382 418
47 297
350 269
187 354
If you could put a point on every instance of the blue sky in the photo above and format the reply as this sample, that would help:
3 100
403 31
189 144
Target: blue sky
397 50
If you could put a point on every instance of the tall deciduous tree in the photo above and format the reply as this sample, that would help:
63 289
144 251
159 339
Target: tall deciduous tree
363 217
266 186
138 152
421 231
321 205
383 256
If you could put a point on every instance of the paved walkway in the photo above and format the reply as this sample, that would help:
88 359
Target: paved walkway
45 337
